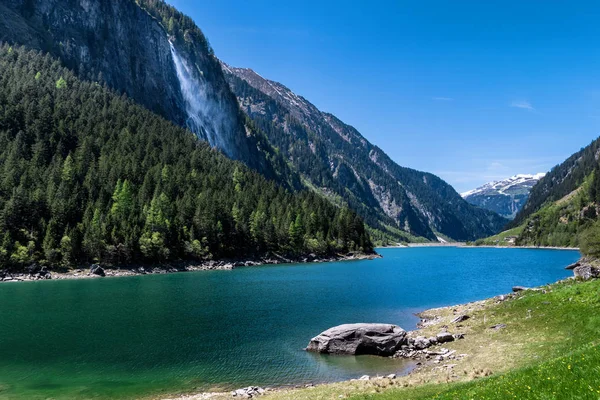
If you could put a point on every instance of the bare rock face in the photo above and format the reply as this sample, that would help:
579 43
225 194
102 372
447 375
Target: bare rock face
123 45
357 339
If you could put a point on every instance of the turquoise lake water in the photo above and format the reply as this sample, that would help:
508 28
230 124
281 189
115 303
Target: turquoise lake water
148 335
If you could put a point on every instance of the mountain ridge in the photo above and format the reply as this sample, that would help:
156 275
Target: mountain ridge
505 197
560 181
89 176
384 193
504 184
563 209
157 56
128 45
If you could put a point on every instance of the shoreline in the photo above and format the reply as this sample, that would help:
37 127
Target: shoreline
429 362
433 318
443 360
525 247
42 273
465 245
414 245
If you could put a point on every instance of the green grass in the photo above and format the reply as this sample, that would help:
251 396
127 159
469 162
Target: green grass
390 236
575 376
566 320
499 239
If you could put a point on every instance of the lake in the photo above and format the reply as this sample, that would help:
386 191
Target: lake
161 334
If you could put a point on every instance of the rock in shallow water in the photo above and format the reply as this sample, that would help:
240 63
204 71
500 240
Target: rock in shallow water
376 339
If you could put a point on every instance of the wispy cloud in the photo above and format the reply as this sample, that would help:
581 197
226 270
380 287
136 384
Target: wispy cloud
442 98
496 166
523 104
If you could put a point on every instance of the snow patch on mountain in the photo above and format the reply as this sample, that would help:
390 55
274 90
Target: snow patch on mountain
505 197
505 186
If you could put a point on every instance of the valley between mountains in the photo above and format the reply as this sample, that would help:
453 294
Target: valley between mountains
129 147
299 149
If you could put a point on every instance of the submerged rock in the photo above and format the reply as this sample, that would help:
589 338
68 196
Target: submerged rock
376 339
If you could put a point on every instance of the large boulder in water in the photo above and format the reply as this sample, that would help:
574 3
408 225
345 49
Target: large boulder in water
376 339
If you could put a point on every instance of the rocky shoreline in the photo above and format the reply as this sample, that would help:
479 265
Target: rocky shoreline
36 272
428 351
425 351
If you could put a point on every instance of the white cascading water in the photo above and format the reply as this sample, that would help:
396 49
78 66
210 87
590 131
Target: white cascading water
205 115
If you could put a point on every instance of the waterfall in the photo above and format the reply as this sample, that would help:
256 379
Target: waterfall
205 116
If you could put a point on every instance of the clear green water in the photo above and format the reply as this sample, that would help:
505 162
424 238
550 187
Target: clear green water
151 335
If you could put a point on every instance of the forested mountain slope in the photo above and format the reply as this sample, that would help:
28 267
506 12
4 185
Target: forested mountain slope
154 54
564 207
571 221
87 175
560 181
340 163
160 58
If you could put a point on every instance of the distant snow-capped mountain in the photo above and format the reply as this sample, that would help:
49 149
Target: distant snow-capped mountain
505 197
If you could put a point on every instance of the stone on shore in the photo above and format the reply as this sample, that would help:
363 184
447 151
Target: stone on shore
573 266
586 272
248 392
97 270
524 288
356 339
460 318
421 343
445 337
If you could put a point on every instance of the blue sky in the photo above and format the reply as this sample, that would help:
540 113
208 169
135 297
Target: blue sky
469 90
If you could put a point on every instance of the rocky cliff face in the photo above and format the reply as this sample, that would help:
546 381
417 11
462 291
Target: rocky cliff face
115 41
127 46
158 57
338 161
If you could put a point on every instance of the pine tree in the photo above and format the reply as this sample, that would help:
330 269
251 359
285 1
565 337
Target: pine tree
89 176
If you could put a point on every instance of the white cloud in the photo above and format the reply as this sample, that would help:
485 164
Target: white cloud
442 98
495 166
524 104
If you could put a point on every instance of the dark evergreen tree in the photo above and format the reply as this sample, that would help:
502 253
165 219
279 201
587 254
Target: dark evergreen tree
87 175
